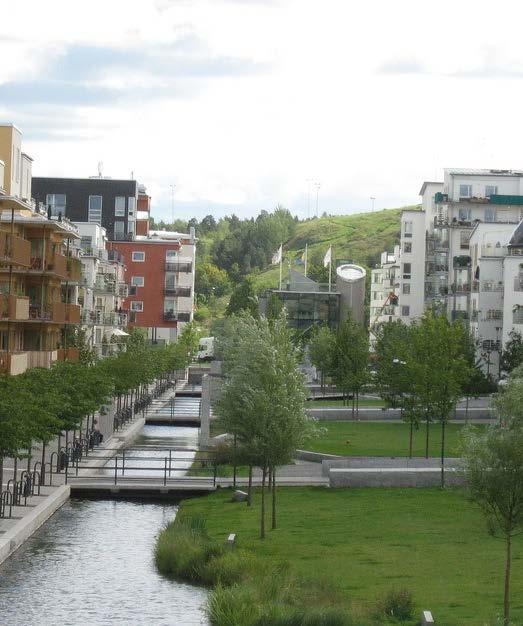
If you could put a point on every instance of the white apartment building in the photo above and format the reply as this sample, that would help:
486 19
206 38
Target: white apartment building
463 258
102 290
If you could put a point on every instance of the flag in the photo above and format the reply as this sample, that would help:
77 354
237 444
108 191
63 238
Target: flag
277 257
327 259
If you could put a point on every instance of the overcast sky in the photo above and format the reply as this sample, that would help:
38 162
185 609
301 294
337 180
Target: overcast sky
239 102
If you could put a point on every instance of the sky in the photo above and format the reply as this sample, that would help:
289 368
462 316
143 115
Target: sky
242 105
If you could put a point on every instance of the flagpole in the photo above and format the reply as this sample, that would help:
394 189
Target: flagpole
305 259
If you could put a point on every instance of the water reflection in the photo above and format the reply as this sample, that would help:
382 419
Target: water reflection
91 564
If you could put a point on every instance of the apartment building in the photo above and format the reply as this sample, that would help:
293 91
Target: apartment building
385 284
39 273
464 257
160 270
107 202
102 290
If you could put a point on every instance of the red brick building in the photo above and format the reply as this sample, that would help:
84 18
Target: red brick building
159 268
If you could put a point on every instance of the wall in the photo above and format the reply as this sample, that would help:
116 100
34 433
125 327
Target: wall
11 155
78 190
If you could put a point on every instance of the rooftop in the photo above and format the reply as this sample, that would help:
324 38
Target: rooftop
482 172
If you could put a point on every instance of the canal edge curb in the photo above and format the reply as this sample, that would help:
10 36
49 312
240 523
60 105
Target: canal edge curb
16 536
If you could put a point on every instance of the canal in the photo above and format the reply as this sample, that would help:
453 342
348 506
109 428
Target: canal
92 563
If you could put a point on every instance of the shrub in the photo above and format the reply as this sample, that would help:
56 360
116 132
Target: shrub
228 568
397 604
233 605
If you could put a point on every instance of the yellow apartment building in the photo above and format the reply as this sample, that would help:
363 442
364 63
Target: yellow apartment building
38 272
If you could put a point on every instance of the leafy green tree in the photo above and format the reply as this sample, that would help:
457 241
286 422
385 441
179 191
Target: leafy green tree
493 463
274 306
438 372
321 351
263 399
391 354
512 355
478 382
244 298
211 280
350 361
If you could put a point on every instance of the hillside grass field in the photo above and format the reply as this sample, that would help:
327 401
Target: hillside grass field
359 238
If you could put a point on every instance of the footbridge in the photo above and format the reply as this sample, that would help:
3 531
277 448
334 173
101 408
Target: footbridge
182 409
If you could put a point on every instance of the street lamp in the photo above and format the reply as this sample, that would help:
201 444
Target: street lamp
372 198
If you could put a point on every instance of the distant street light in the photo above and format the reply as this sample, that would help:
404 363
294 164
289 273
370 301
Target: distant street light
372 198
309 181
317 185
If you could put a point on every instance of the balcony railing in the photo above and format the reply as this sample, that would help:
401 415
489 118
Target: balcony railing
100 318
488 286
13 363
68 354
176 316
14 307
14 250
181 292
55 312
460 288
459 315
178 267
57 264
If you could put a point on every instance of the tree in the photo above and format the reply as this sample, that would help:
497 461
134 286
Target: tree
438 372
321 350
478 382
350 360
244 298
211 281
493 464
274 306
513 352
263 398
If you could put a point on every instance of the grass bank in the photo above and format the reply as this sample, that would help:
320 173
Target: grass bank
349 438
359 544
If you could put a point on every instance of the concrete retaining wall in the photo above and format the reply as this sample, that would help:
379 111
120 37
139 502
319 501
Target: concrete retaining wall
16 536
392 477
369 414
378 462
315 457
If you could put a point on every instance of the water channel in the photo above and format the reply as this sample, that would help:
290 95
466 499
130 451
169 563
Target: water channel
91 564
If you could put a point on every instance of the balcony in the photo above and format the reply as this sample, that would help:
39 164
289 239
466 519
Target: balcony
57 264
459 315
55 312
105 283
180 292
68 354
460 288
179 266
14 250
13 363
491 287
72 314
176 316
101 318
41 358
14 308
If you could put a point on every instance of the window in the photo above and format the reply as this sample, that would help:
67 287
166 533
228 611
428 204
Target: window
56 202
465 191
406 270
491 190
137 306
95 209
170 256
490 214
405 311
464 214
464 236
119 230
407 229
137 281
131 204
119 206
138 257
169 305
406 288
130 227
407 247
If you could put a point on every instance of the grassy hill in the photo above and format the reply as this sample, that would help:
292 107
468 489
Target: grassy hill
359 238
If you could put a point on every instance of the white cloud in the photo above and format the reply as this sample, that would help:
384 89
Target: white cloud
369 98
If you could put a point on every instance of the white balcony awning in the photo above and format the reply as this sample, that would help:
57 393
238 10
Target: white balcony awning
120 333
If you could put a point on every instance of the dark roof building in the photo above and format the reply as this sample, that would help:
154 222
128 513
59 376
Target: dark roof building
105 201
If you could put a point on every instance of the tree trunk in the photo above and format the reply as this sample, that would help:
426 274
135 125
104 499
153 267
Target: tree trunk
442 453
410 438
1 473
273 498
269 479
249 489
262 520
506 600
427 438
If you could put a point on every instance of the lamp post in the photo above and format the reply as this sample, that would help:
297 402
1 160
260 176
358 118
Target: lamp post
372 199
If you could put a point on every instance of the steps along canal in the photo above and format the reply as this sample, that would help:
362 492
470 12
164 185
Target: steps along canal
91 563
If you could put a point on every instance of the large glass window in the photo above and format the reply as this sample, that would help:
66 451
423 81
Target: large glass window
131 204
56 203
407 268
119 229
137 281
407 229
490 214
138 257
464 214
465 191
137 305
95 209
119 206
491 190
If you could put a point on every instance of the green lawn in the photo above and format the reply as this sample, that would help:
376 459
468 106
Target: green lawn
382 439
368 541
366 402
